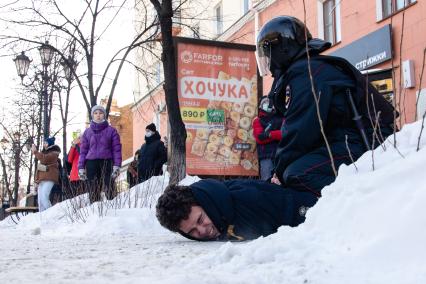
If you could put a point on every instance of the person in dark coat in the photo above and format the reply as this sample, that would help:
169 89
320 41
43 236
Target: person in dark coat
235 210
152 155
348 115
267 132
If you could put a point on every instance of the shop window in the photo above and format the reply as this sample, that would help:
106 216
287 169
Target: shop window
389 7
382 81
329 20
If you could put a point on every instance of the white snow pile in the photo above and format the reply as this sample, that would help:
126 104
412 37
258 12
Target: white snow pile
131 212
369 227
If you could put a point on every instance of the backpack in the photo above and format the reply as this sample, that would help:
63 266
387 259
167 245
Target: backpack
368 105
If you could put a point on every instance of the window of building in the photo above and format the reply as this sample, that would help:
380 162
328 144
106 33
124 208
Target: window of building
158 72
219 18
246 6
177 12
196 30
177 16
421 102
329 20
329 15
385 8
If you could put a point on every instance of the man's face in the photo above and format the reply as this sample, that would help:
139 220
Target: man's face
198 225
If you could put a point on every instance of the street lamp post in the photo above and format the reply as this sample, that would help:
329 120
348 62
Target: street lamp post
22 63
16 149
46 55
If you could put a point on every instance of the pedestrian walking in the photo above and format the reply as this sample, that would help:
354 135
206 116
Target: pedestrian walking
132 171
76 186
47 173
152 155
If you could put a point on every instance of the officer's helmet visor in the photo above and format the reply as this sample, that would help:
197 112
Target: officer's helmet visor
263 63
263 54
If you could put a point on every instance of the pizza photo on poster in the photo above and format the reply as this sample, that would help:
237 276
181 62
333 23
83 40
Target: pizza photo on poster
218 95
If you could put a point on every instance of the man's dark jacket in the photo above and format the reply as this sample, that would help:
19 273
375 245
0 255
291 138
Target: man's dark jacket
247 209
152 156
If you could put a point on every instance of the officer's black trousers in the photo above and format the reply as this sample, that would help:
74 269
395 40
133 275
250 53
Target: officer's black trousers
313 171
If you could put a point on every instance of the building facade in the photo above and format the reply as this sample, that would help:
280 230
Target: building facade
121 118
195 19
383 38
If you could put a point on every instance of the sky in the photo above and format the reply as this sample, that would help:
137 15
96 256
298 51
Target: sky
112 40
367 228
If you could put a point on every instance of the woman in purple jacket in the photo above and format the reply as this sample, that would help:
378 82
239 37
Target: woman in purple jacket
100 155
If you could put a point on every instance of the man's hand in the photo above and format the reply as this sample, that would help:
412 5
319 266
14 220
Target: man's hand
115 172
275 179
82 174
33 148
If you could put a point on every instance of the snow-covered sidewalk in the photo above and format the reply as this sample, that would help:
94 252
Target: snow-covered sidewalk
369 227
128 258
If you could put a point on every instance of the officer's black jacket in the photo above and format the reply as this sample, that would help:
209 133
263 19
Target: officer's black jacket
247 209
301 131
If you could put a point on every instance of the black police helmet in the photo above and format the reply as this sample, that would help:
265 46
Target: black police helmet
279 41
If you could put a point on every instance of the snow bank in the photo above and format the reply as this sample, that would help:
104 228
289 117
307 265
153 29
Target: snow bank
131 212
369 227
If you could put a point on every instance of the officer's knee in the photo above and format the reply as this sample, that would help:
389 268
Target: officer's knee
292 175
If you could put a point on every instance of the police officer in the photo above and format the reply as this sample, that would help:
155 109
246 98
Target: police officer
315 91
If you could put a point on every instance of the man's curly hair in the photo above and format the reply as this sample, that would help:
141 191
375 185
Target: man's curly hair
174 205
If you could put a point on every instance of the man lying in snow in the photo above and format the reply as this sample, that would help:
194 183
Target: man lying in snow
236 210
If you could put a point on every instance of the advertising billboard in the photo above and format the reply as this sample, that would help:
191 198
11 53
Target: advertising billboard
218 95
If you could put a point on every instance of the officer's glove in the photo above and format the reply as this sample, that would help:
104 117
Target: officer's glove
82 174
115 172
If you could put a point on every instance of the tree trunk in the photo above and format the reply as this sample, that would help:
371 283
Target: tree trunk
177 162
5 181
17 152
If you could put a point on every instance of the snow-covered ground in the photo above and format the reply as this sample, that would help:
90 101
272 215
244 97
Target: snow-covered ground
369 227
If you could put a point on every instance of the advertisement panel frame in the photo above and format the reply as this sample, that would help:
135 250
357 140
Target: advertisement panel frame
224 45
